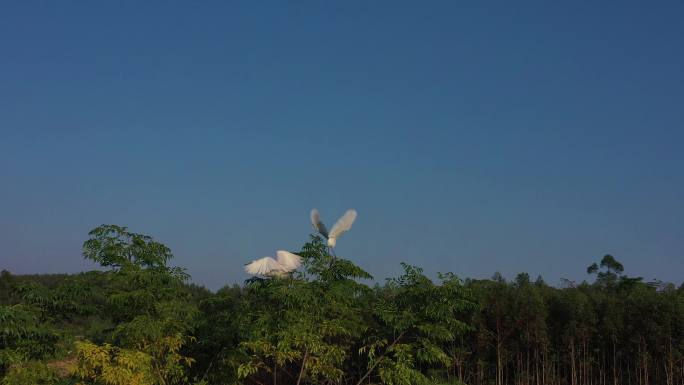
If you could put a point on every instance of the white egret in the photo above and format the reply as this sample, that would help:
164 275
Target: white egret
340 227
285 264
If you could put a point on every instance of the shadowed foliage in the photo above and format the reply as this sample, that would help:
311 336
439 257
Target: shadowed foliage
139 321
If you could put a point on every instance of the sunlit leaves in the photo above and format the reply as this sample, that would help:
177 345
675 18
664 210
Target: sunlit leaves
110 365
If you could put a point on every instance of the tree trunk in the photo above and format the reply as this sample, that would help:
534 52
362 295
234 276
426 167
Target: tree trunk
615 382
499 370
275 372
573 377
301 371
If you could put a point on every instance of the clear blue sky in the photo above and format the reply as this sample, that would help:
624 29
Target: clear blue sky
471 137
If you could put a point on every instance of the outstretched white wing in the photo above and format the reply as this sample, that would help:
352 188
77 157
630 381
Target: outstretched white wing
317 223
288 261
263 266
343 224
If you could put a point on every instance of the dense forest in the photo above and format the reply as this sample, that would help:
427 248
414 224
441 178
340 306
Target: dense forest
140 321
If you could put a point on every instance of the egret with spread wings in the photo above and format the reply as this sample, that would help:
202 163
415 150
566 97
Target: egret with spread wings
284 265
340 227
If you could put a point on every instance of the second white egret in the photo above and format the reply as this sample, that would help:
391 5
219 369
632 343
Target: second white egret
340 227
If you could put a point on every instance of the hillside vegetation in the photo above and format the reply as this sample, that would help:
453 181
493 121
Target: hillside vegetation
139 321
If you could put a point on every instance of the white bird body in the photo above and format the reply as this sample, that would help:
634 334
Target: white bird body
340 227
285 264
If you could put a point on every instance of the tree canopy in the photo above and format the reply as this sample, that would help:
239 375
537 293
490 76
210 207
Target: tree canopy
140 321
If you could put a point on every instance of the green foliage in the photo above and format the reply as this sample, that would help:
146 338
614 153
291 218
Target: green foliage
307 324
116 247
6 284
68 299
110 365
612 270
140 322
23 336
414 319
322 266
220 327
34 373
150 305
